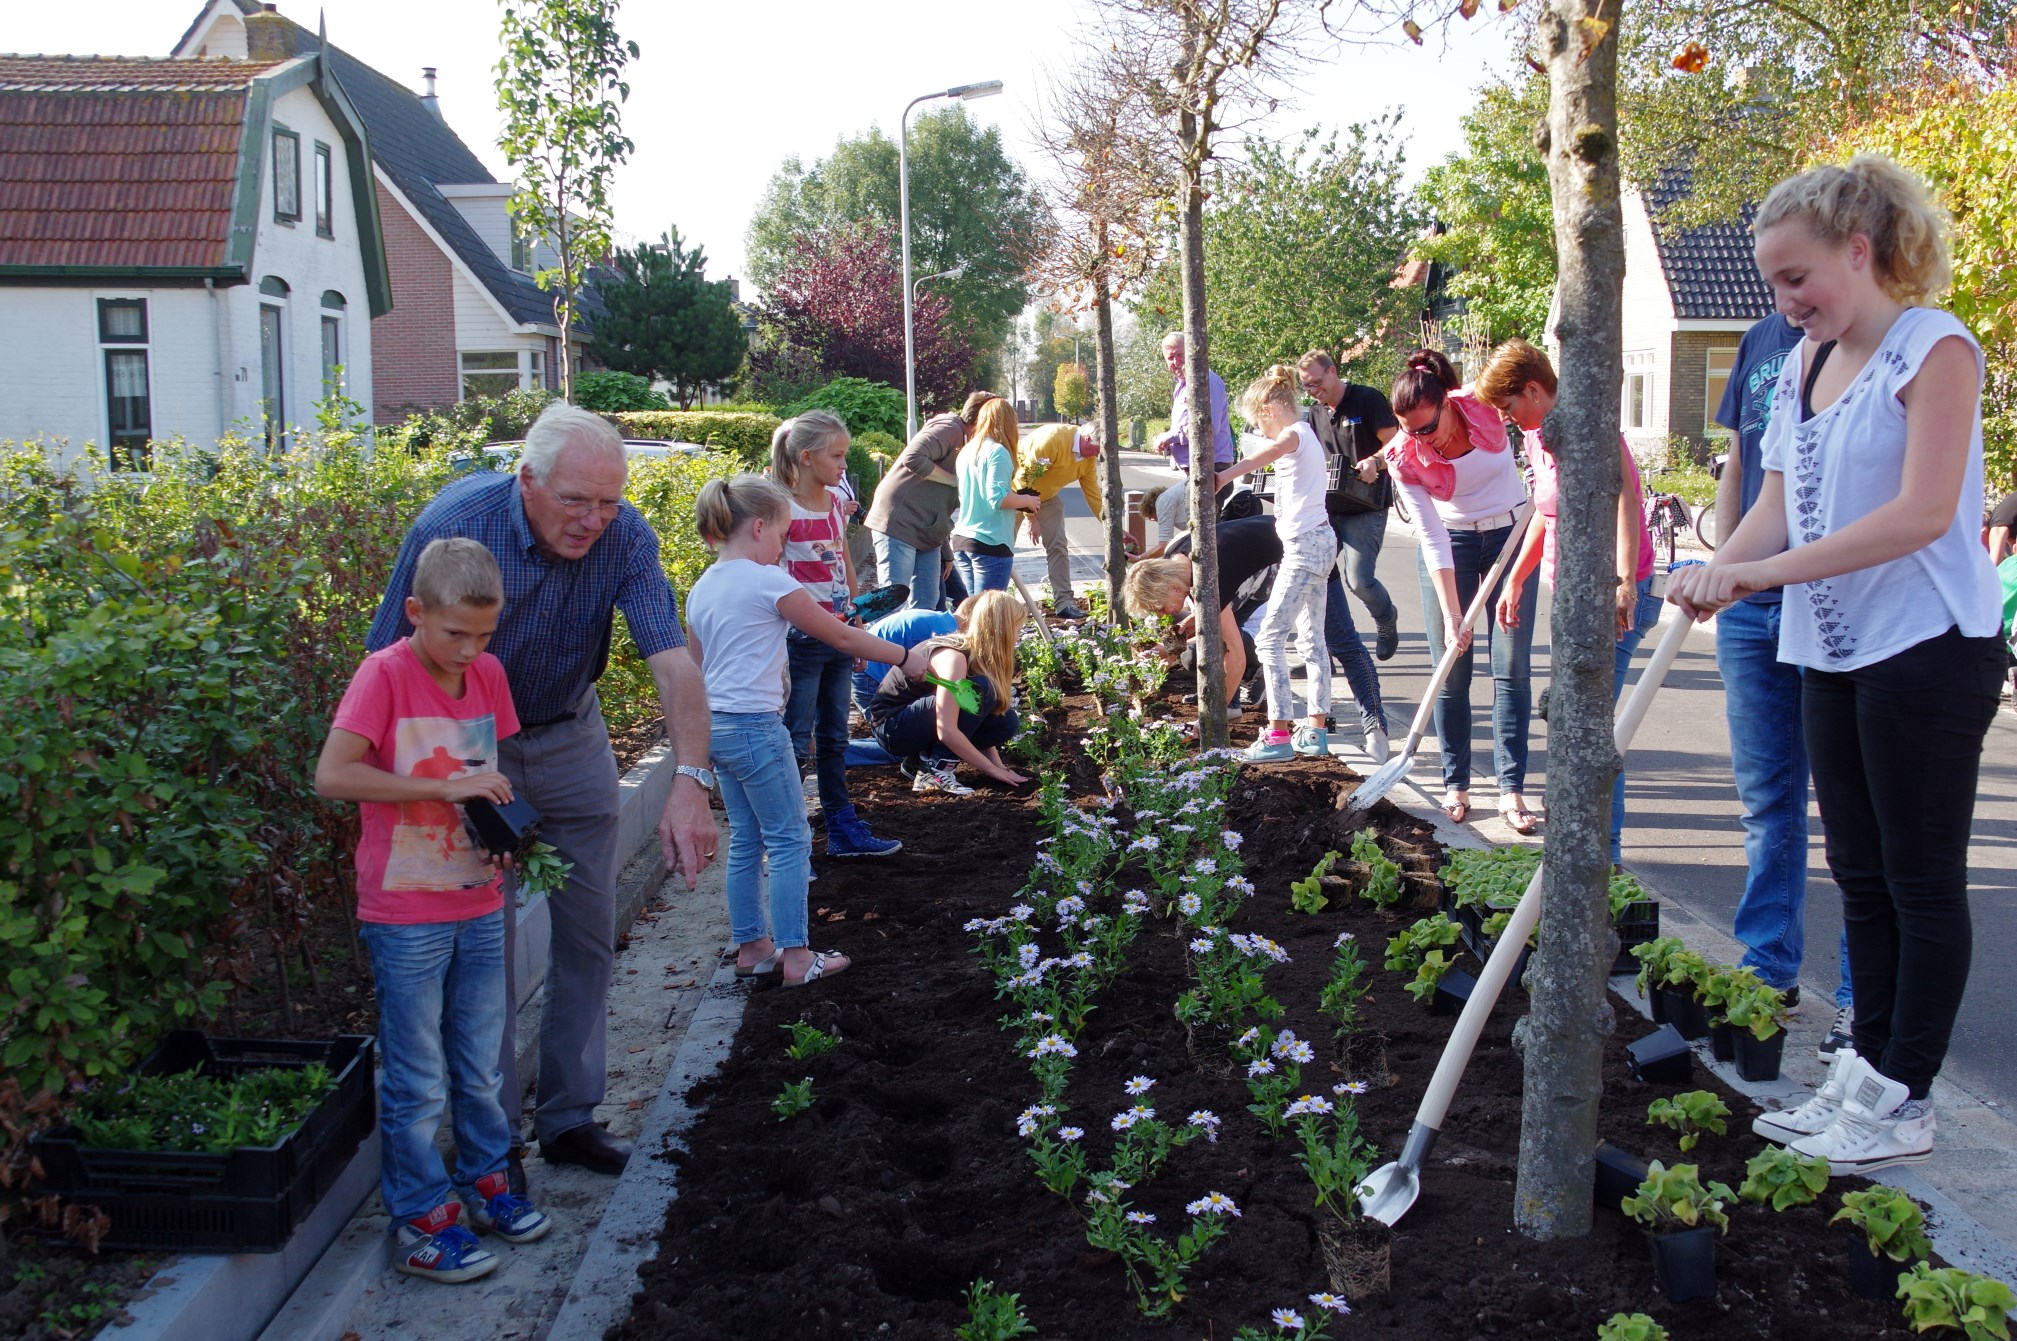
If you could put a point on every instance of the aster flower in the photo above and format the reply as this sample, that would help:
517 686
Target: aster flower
1071 1134
1249 1038
1344 938
1022 912
1309 1105
1213 1203
1287 1318
1027 954
1139 1085
1349 1087
1326 1299
1260 1066
1232 840
1053 1045
1189 904
1141 1218
1202 945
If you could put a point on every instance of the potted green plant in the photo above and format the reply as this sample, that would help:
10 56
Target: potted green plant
1668 977
1630 1327
1950 1299
1682 1216
1690 1114
1757 1017
1782 1178
1893 1231
1719 985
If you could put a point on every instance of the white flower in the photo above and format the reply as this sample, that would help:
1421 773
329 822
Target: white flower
1349 1087
1148 842
1053 1045
1189 904
1125 1119
975 924
1330 1301
1030 1119
1287 1318
1284 1041
1300 1053
1070 1134
1260 1066
1232 840
1022 912
1139 1085
1140 1218
1212 1203
1027 954
1202 945
1308 1105
1344 938
1206 866
1071 906
1249 1038
1206 1121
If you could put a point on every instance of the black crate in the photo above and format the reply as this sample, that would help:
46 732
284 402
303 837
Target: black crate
243 1200
1637 924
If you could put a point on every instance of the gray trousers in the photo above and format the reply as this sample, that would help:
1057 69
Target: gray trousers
1057 549
568 772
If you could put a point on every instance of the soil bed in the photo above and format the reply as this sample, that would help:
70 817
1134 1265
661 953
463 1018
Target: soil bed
870 1214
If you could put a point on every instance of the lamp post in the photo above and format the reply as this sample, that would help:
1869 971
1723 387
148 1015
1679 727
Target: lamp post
965 92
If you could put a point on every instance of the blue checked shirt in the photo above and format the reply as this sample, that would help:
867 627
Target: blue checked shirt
553 635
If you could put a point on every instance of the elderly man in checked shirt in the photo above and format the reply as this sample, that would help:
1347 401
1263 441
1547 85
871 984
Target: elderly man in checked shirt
573 553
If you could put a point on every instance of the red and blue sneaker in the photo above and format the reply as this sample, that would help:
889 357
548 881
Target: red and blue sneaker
435 1247
497 1210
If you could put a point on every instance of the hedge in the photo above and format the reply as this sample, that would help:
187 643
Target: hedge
746 435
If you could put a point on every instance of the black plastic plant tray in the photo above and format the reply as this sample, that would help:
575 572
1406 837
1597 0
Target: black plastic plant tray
1637 924
244 1200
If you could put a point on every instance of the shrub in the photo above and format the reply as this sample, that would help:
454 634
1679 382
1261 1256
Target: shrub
472 422
610 392
746 436
869 457
864 406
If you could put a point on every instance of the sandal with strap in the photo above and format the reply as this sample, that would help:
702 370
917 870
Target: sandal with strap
1518 818
1457 805
825 963
770 963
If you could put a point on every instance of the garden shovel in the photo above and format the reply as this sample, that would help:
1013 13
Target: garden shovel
1383 779
1036 611
1392 1188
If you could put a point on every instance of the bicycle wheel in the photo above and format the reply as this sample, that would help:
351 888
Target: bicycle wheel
1705 525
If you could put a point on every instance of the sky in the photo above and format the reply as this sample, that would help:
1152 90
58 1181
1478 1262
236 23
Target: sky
722 93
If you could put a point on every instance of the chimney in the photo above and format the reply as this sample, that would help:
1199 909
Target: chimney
427 99
272 8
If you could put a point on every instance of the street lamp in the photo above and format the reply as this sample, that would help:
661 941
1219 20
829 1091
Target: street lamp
967 93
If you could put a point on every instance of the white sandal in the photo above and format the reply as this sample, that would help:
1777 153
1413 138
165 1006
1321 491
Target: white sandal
818 968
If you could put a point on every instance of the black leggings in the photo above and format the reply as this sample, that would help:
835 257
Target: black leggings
1896 748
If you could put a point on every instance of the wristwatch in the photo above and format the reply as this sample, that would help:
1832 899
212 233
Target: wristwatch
701 775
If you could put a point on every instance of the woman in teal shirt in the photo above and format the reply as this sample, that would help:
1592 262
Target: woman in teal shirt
983 532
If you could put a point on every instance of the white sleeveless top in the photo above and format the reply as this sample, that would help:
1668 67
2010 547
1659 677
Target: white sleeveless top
1300 481
1843 464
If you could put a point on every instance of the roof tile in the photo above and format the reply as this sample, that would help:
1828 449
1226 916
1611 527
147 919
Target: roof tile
1710 271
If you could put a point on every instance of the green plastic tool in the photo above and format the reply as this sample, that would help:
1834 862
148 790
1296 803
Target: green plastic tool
963 690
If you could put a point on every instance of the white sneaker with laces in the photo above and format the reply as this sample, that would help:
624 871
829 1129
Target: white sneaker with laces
1377 748
1818 1113
1880 1127
936 777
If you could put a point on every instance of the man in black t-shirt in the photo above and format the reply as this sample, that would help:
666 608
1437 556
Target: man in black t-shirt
1249 551
1354 422
2001 522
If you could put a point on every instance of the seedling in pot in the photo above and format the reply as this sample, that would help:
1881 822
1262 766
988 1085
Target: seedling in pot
1782 1178
1893 1222
1956 1300
1383 877
1429 975
1761 1010
1691 1114
792 1100
992 1316
1630 1327
808 1040
1720 987
1406 948
1677 1198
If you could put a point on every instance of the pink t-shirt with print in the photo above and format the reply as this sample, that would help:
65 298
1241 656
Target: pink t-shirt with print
813 552
1547 486
415 860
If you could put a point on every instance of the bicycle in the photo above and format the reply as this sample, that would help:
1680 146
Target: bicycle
1667 515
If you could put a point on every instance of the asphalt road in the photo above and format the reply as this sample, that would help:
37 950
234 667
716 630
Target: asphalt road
1682 835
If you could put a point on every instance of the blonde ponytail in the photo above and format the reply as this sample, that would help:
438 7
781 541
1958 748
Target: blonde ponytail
726 506
1279 384
1877 198
808 432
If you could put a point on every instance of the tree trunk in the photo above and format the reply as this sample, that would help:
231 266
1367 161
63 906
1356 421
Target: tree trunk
1204 470
1110 439
1570 1016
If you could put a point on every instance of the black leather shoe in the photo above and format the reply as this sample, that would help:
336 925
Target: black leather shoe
590 1145
1387 639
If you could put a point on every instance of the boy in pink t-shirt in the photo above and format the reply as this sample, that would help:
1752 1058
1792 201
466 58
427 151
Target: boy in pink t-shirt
415 735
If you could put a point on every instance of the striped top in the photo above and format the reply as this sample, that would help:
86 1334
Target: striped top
815 552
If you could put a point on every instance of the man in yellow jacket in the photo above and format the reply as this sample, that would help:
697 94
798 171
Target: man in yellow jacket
1047 460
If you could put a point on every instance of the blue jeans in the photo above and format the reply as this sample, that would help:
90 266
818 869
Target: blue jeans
983 572
1768 754
441 1013
1360 535
915 568
1474 553
912 730
816 712
1342 637
766 816
1645 614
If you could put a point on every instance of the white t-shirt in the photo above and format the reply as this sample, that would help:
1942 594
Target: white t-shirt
1488 483
1300 484
733 611
1843 464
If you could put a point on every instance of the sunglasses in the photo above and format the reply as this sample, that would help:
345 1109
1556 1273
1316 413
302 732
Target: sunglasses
1428 430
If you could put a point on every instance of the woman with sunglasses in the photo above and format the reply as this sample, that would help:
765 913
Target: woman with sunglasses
1452 464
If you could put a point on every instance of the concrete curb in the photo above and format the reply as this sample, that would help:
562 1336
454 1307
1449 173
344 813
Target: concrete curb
215 1297
627 1237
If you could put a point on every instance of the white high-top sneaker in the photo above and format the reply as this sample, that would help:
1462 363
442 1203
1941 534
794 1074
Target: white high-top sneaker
1818 1113
1880 1127
1377 748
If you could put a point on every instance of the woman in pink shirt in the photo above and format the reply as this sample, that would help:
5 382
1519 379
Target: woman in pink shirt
1451 463
1519 381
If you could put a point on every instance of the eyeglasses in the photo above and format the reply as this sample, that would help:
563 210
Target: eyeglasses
578 508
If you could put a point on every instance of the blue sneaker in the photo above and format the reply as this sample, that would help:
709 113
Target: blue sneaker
1311 742
497 1210
847 836
434 1247
1269 749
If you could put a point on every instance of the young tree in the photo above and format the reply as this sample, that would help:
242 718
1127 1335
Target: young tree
1304 238
836 299
662 318
1071 391
1566 1022
970 207
1492 201
559 84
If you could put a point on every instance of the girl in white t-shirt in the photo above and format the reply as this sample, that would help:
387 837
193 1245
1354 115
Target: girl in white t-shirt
1309 549
1868 518
737 615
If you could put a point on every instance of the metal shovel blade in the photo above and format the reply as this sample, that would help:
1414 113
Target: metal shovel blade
1391 1189
1381 782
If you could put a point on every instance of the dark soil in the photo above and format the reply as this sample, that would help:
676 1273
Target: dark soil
870 1214
632 743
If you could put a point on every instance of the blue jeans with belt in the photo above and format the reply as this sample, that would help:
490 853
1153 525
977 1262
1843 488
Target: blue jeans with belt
1474 553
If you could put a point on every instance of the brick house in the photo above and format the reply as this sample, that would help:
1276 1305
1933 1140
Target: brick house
187 247
467 317
1690 294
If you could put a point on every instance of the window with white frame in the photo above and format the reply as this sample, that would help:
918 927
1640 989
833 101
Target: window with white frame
273 292
333 310
491 373
129 407
1638 390
1722 360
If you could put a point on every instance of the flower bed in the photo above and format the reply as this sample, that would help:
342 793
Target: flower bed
908 1174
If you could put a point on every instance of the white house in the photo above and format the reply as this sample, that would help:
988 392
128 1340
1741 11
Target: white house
187 248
